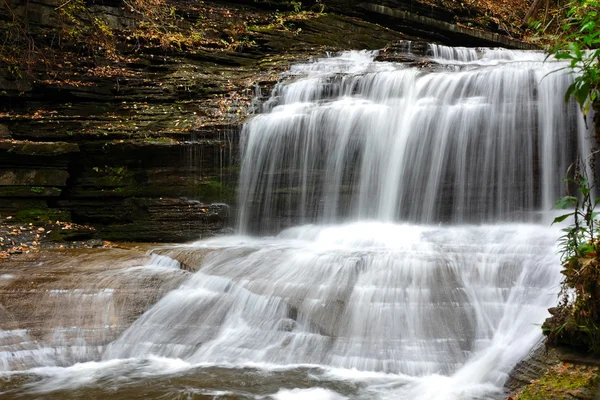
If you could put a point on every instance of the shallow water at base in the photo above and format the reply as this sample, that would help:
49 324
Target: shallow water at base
141 379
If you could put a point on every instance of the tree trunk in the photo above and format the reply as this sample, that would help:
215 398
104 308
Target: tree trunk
532 10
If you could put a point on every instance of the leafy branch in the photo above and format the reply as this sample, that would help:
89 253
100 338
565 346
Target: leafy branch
580 239
579 44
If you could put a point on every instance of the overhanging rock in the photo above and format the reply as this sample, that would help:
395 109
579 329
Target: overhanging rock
420 20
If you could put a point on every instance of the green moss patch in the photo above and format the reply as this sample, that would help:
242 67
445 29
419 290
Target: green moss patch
29 191
216 191
39 148
564 381
112 176
42 214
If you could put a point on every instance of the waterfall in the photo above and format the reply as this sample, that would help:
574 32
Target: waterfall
412 255
486 136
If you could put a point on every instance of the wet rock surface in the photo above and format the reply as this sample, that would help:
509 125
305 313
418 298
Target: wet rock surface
71 302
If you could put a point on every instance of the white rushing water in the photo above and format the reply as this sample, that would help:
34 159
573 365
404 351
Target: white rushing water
413 257
371 296
487 138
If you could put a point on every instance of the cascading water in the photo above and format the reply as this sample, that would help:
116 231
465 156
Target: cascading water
361 295
357 139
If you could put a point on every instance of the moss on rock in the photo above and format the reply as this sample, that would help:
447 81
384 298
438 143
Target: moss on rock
29 191
564 381
217 191
39 148
42 214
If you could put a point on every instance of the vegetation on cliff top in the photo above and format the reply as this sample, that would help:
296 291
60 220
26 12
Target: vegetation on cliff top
81 26
82 32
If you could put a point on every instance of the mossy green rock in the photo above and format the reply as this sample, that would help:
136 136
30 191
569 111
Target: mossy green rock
564 381
42 214
29 191
39 148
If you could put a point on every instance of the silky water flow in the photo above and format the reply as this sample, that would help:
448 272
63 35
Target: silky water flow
394 242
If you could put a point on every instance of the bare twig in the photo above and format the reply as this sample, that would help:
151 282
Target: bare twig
63 5
132 8
20 26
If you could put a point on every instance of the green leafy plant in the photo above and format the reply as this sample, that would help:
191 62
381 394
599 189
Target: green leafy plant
576 319
579 44
14 71
580 239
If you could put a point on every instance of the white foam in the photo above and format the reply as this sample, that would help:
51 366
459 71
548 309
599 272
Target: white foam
306 394
432 387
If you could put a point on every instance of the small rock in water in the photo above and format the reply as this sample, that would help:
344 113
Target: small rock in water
94 243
